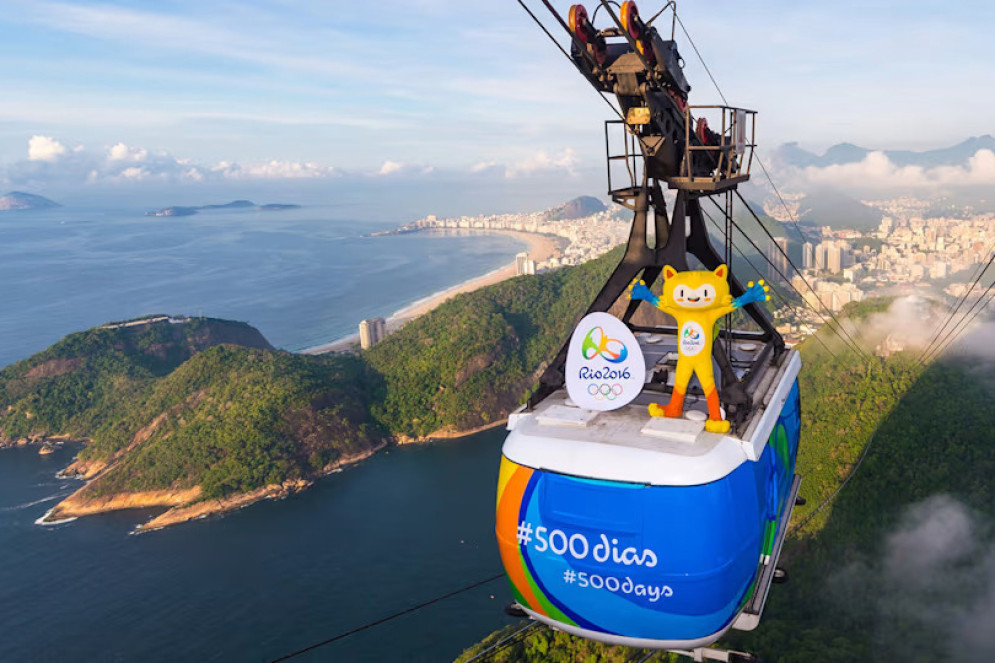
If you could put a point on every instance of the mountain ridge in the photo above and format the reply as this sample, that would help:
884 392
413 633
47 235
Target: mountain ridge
791 154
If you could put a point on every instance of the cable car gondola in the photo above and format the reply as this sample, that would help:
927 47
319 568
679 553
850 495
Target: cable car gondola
619 526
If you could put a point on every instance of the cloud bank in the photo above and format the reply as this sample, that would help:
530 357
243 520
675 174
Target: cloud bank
50 163
931 594
877 172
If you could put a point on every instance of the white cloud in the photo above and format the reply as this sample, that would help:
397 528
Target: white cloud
274 170
390 167
542 161
483 166
52 164
876 171
194 175
44 148
931 593
121 152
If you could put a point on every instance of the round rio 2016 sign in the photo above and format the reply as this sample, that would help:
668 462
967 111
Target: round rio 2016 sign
605 368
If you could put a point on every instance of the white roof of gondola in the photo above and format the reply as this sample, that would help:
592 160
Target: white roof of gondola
629 445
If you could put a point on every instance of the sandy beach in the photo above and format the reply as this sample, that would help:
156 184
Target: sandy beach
540 249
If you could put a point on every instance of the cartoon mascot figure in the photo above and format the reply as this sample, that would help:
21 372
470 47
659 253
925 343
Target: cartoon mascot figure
696 299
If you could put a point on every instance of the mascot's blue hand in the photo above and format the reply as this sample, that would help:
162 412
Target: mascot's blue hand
755 292
638 290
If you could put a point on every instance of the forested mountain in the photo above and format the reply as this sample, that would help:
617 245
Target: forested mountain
178 411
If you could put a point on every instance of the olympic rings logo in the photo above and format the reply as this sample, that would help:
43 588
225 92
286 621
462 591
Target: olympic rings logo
605 391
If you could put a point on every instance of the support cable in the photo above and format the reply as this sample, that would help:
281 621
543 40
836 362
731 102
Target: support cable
836 330
388 618
784 301
978 275
567 56
853 342
504 642
805 521
700 59
791 216
964 322
794 221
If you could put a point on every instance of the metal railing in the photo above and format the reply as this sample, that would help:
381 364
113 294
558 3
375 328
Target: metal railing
729 160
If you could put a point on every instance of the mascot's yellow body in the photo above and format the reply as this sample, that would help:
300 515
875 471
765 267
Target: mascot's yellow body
696 300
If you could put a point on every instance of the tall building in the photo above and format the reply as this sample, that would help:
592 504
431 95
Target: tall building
522 264
834 258
846 255
777 259
371 332
820 256
808 255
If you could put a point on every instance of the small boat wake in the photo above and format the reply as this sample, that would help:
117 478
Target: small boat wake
36 502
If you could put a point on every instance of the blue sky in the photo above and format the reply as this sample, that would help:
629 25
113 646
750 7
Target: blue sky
287 88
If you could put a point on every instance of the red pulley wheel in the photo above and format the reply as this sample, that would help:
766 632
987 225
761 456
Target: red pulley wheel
629 16
576 19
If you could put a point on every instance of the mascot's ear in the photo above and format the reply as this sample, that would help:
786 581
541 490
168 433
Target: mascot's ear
721 271
669 272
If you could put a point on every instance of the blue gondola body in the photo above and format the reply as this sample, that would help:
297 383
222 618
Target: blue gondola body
645 563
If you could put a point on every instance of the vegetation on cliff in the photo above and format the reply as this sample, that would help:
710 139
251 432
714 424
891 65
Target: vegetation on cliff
473 359
204 403
170 404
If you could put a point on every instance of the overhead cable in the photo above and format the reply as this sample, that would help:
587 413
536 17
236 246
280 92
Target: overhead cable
777 294
978 275
567 56
851 344
503 642
388 618
964 322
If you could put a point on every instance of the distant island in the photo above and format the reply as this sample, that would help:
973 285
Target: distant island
18 200
181 210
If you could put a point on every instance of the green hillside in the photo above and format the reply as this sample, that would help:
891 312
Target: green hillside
473 359
206 402
175 404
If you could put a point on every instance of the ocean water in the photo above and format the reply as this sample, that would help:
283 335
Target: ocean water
383 535
388 533
302 277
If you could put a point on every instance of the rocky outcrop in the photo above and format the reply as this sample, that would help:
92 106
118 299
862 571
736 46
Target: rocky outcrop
206 508
185 503
81 503
54 367
83 469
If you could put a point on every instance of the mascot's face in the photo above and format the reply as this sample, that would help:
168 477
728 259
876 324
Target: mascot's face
696 290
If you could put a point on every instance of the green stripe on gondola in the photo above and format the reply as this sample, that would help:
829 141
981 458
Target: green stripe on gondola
547 606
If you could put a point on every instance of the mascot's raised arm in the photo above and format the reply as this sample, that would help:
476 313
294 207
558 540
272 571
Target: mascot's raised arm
696 300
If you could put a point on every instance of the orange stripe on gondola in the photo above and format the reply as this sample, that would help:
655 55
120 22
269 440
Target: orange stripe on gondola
508 508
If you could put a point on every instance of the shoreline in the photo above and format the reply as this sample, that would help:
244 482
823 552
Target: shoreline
539 247
185 506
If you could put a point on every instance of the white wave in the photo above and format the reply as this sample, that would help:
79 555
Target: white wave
45 523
